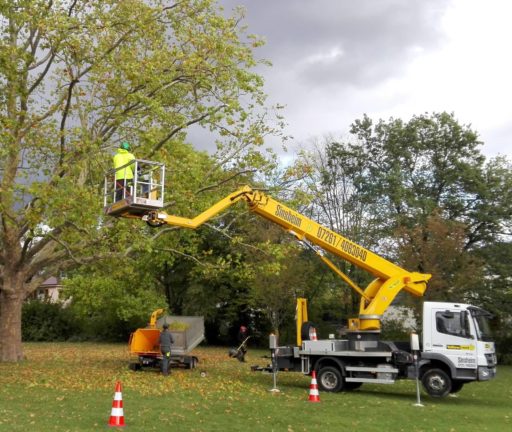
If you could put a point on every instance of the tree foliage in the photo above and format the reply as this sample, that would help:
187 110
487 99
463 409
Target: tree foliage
79 76
434 164
423 195
332 176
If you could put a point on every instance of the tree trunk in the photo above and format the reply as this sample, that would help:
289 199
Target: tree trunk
10 327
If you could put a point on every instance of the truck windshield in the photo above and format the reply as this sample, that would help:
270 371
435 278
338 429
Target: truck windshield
483 328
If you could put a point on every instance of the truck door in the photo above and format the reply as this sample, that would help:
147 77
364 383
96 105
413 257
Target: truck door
452 336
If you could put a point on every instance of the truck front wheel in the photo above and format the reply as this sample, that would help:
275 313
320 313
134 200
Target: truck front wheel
456 386
436 383
330 379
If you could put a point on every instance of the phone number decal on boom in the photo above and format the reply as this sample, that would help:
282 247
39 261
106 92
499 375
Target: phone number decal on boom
345 246
353 250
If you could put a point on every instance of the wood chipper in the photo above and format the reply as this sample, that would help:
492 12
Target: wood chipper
144 344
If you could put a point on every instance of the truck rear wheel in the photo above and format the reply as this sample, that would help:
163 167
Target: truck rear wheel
436 383
330 379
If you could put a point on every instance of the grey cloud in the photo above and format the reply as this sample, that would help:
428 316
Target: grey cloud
376 37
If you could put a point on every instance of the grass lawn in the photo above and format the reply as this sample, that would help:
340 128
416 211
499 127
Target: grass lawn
70 387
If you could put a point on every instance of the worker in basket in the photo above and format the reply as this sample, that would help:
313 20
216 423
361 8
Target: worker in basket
242 337
124 176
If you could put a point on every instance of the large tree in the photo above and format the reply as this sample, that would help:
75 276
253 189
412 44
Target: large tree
439 195
77 77
438 198
433 164
419 192
332 174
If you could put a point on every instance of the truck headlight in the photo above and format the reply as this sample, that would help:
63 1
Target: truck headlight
485 374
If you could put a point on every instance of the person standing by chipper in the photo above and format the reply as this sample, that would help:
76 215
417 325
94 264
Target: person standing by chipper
166 340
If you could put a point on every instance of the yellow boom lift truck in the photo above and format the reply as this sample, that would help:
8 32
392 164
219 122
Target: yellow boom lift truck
456 347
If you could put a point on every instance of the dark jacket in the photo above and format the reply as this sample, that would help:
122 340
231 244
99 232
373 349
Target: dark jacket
166 340
242 334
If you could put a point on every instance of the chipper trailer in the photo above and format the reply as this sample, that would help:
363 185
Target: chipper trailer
457 345
144 344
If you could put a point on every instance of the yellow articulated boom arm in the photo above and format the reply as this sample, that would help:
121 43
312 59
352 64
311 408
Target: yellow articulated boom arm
389 280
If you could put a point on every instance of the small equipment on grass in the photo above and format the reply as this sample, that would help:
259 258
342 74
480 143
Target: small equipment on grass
239 353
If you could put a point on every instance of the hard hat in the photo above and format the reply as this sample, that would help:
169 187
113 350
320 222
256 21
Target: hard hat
125 145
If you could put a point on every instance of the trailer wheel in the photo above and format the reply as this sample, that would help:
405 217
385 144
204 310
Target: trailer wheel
436 383
330 379
134 366
192 363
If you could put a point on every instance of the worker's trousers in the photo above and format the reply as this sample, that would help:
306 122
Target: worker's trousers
166 363
123 188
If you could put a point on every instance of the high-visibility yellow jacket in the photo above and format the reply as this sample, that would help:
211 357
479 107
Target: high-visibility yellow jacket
122 157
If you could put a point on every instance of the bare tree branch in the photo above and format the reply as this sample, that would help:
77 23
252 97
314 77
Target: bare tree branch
250 246
180 128
216 185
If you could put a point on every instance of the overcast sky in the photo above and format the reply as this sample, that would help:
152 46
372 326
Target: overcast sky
334 60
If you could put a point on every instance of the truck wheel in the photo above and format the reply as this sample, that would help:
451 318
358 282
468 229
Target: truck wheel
436 383
330 379
456 386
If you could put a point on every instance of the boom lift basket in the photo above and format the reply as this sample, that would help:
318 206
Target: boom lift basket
136 196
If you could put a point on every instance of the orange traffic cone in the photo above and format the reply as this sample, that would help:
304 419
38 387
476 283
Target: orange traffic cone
314 396
117 416
312 334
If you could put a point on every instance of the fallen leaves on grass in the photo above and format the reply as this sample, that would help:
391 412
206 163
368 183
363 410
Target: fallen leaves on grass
85 366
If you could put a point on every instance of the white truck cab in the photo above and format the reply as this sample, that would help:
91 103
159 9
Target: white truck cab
456 340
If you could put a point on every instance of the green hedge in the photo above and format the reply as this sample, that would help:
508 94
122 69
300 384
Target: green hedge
45 321
51 322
